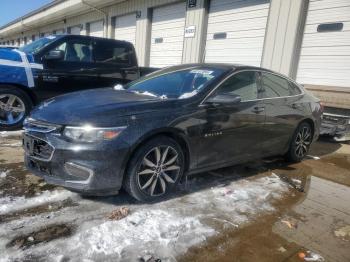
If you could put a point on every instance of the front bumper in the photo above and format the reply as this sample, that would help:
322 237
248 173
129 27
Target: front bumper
87 168
337 126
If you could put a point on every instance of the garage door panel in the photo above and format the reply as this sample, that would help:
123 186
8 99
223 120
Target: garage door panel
168 23
326 4
327 39
75 30
244 23
239 26
329 15
326 51
325 56
125 28
237 6
96 28
239 14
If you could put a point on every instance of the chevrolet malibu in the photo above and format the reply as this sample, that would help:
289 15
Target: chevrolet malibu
186 119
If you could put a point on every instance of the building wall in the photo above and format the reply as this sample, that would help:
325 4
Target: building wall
281 40
282 44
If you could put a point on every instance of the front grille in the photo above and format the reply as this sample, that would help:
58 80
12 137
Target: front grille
32 125
37 148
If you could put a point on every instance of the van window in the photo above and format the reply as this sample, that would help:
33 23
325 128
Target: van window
112 52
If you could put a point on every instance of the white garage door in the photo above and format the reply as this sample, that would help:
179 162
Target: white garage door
125 28
75 30
325 53
59 32
236 31
168 25
96 28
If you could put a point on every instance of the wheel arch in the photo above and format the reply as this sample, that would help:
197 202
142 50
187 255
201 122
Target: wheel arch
311 123
25 89
172 133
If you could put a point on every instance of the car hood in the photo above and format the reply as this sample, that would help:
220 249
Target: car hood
100 107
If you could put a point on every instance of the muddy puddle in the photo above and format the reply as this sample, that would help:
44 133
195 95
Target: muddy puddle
276 236
256 241
16 181
45 234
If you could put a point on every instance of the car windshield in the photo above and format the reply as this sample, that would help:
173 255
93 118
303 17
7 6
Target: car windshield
176 84
35 46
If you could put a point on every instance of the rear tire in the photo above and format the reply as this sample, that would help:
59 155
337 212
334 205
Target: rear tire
300 143
154 170
15 105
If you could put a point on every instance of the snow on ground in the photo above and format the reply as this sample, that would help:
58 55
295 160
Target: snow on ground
10 204
11 133
163 230
3 174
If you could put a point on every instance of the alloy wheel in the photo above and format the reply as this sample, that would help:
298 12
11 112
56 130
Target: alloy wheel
302 141
160 167
12 109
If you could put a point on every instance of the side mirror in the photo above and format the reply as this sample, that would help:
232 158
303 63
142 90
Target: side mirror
54 55
224 99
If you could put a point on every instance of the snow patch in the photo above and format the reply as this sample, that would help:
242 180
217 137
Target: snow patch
10 204
157 231
3 174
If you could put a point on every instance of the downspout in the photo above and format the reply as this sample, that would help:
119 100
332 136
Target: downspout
105 27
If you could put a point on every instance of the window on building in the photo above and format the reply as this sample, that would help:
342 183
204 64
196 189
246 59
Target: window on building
330 27
243 84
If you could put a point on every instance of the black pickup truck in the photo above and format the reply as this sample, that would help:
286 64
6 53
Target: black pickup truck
60 64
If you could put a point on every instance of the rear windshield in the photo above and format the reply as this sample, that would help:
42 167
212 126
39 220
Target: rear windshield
176 84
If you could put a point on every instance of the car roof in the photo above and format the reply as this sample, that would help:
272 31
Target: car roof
59 36
224 66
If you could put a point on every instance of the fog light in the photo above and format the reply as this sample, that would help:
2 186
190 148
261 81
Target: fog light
80 172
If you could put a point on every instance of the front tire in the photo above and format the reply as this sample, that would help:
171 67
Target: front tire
300 143
15 105
154 170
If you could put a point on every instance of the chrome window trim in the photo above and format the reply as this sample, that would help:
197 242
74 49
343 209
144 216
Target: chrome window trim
302 91
39 158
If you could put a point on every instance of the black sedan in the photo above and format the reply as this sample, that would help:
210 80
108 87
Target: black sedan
183 119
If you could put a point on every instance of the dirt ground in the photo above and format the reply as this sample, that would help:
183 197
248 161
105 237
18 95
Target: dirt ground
267 210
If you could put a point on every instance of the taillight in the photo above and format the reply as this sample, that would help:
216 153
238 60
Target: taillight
321 106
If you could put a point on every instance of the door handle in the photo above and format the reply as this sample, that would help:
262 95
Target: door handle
258 109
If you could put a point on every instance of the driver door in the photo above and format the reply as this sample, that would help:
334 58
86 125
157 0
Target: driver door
74 71
232 133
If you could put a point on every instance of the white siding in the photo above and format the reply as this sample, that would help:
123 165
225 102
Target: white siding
75 30
325 56
167 39
244 23
125 28
96 28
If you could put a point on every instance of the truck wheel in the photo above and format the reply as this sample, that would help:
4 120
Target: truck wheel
154 170
15 105
300 143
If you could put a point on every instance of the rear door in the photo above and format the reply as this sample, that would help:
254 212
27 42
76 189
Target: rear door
230 134
115 62
284 109
76 71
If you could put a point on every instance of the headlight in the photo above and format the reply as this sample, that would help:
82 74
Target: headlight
91 134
